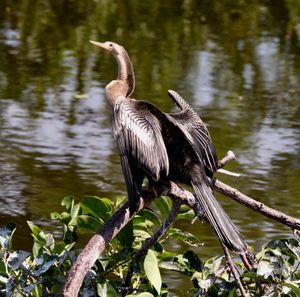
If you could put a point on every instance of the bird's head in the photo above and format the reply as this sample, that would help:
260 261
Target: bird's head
110 46
125 70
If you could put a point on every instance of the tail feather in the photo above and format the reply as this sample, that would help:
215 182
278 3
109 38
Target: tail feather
133 197
218 219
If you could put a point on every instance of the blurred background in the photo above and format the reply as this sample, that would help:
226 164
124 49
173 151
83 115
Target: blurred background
236 62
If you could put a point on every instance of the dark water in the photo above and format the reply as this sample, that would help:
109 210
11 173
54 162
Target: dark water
236 62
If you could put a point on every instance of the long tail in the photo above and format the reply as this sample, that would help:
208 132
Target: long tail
218 219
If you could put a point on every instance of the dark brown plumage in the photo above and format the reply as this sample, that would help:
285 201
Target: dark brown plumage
164 147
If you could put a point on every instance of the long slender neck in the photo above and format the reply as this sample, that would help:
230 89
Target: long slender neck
125 71
124 84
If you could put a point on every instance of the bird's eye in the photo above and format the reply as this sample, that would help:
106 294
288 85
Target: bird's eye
111 45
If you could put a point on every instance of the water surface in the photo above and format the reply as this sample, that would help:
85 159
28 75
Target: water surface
237 63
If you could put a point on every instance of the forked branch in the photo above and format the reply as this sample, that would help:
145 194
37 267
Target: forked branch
113 226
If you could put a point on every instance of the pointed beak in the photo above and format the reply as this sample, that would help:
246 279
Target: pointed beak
100 44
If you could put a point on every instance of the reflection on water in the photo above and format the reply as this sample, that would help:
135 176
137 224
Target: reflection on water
237 64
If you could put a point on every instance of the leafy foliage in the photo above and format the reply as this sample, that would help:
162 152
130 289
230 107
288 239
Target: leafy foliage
42 272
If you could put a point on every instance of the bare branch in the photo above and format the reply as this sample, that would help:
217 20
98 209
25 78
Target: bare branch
257 206
227 172
229 157
235 273
97 243
112 227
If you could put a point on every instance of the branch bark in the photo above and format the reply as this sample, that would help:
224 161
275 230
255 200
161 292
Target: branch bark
96 246
113 226
257 206
235 272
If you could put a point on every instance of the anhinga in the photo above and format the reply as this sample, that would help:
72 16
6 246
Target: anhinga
164 147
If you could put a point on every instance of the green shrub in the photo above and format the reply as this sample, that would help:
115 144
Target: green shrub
42 272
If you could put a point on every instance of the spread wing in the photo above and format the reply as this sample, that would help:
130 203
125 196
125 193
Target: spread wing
142 149
195 130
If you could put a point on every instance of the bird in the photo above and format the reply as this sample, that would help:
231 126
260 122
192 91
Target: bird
164 147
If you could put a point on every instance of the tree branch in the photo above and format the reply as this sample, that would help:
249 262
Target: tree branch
113 226
229 157
96 246
257 206
235 272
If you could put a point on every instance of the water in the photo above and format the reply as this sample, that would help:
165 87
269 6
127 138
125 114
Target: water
236 62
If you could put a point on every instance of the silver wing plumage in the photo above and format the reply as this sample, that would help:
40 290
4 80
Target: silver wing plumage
140 142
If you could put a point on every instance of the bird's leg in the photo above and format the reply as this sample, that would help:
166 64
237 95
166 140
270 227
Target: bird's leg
160 188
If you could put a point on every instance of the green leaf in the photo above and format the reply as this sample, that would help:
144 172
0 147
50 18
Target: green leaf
139 222
55 216
152 270
16 259
141 234
70 237
37 291
119 257
125 236
55 289
6 234
264 268
65 218
38 235
34 228
75 211
99 208
86 222
293 287
68 202
173 264
203 283
149 215
184 236
164 205
144 294
3 280
36 248
193 261
186 214
106 290
120 200
81 96
233 293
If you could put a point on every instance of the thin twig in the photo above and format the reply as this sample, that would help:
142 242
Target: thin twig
152 240
229 157
235 273
110 229
227 172
97 243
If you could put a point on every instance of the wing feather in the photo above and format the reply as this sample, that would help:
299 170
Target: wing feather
195 131
140 142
